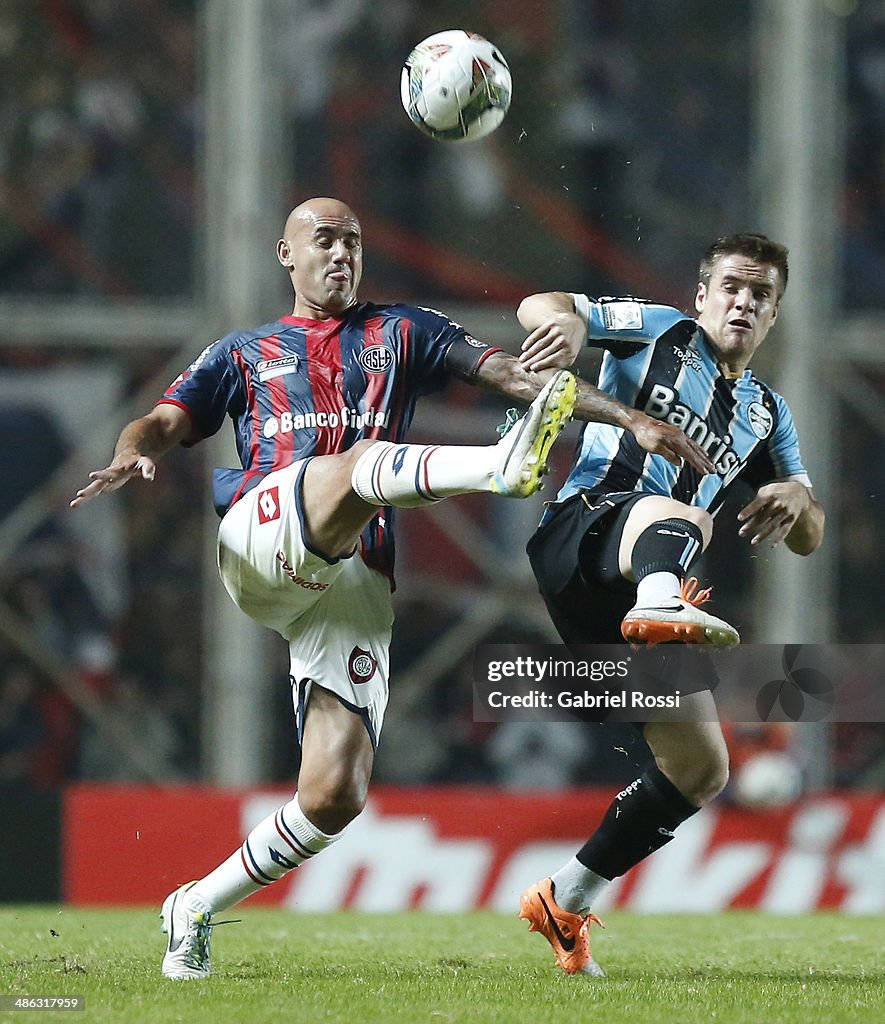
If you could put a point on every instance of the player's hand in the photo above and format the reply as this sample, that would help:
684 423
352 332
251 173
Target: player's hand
773 512
555 344
670 442
114 476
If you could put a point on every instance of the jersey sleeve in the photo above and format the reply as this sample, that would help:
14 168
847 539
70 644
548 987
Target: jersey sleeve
623 326
444 348
209 389
780 458
465 356
784 447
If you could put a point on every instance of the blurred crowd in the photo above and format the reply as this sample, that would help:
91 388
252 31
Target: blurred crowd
62 653
99 115
863 216
595 185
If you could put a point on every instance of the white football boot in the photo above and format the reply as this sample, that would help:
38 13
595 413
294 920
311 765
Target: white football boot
526 442
189 935
679 621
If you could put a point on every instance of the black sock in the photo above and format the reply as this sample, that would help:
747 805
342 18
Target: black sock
640 820
668 545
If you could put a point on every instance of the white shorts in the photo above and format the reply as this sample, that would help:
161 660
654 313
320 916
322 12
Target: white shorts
336 615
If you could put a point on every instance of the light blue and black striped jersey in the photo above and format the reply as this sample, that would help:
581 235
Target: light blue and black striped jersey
659 360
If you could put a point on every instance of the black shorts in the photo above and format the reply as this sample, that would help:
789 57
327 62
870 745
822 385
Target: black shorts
574 557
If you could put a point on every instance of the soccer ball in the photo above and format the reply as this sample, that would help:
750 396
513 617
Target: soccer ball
456 86
768 780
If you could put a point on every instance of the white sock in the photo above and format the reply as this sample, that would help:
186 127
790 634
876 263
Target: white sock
414 475
575 887
658 588
281 842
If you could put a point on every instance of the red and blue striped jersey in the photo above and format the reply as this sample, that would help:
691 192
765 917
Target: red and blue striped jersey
300 387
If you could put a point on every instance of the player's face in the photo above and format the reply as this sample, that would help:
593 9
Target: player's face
324 255
737 307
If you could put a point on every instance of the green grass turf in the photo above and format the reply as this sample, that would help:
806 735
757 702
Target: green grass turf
737 968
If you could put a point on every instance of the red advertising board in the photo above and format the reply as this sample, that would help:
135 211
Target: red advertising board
454 849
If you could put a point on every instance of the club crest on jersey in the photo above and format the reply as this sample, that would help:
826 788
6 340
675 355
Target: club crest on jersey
268 505
760 419
361 665
267 369
375 359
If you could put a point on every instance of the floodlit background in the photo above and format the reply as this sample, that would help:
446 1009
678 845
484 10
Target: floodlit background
149 153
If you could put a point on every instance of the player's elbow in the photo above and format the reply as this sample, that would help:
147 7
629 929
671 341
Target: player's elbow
535 309
524 312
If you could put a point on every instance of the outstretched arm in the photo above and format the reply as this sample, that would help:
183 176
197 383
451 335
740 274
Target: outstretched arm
508 376
557 332
787 511
140 444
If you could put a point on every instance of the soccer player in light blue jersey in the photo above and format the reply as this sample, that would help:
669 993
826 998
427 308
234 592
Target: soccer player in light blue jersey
612 554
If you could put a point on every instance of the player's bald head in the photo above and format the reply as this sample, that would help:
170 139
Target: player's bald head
320 210
321 248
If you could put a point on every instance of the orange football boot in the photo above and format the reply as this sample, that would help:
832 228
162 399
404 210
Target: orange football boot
567 933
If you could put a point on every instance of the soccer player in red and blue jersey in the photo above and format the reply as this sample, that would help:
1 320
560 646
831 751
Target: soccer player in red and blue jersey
320 401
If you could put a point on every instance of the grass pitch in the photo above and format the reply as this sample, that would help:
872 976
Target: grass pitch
736 968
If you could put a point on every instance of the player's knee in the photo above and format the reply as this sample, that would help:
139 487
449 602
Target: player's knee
702 778
699 768
713 781
337 466
333 803
358 449
700 517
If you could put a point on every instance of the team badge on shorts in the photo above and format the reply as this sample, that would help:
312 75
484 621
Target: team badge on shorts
361 665
268 505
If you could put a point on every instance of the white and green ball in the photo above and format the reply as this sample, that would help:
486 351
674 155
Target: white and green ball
456 86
